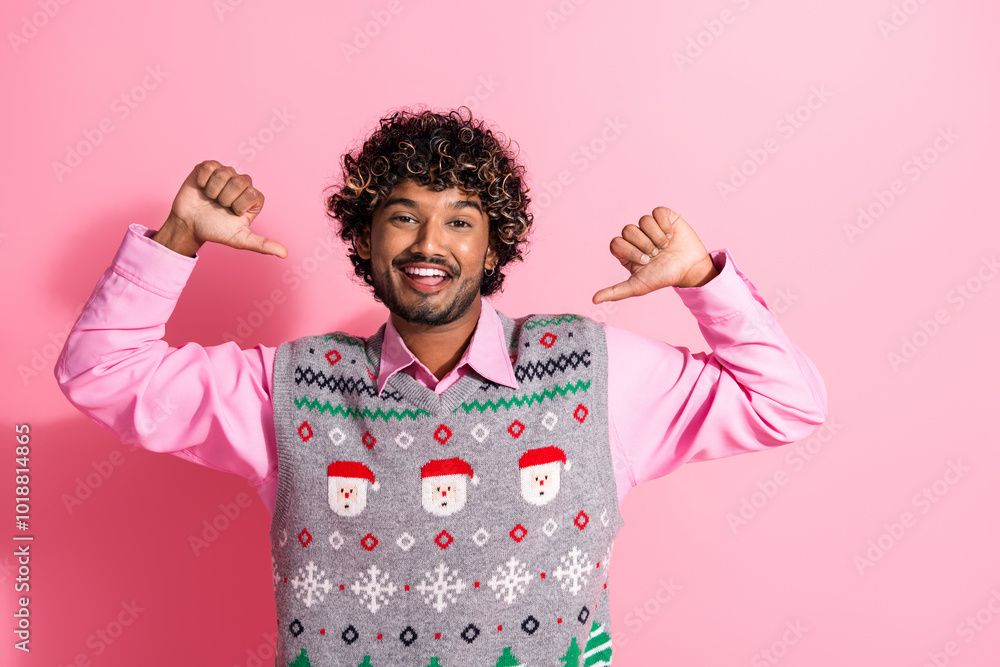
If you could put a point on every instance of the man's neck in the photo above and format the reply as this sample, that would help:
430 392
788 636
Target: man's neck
439 348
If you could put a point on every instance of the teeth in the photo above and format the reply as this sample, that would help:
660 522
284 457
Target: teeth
424 272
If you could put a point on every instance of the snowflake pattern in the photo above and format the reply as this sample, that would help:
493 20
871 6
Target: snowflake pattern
375 588
573 570
443 590
513 579
311 585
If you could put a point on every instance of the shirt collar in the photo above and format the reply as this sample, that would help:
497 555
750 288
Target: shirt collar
486 352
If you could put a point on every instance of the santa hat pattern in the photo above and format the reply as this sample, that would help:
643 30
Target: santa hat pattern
541 456
455 466
352 470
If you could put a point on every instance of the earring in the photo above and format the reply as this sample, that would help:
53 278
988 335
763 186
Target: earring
490 272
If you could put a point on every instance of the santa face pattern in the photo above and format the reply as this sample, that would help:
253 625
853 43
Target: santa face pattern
540 484
348 497
444 495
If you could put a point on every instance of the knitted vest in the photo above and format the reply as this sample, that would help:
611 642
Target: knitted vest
472 528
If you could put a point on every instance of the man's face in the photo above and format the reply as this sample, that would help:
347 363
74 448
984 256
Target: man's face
416 230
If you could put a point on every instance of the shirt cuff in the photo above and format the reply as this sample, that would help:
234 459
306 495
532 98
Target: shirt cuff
151 265
725 294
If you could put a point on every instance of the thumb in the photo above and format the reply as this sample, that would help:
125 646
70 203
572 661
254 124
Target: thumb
622 290
247 240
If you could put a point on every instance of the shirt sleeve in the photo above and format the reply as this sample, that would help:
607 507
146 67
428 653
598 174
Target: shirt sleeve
209 405
755 389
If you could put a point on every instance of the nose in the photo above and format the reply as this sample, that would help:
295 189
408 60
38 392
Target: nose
444 493
541 482
430 238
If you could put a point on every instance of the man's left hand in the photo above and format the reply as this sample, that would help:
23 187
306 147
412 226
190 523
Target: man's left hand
661 251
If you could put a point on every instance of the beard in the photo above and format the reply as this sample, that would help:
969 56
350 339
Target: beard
421 309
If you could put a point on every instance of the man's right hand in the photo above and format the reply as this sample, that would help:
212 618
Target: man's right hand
215 204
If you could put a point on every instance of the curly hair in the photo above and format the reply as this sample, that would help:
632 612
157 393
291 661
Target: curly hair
439 150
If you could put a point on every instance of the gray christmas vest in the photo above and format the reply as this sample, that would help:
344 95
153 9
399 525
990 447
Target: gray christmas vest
472 528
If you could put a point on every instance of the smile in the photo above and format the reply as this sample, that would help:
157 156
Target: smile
425 280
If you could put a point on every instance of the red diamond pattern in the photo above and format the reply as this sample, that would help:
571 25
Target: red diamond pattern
369 542
305 431
518 533
368 439
443 539
305 538
516 428
581 413
581 520
548 339
333 357
442 434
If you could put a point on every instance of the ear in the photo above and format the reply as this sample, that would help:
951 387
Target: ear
491 254
363 242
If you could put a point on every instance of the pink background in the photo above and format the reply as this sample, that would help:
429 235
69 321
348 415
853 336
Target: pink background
552 84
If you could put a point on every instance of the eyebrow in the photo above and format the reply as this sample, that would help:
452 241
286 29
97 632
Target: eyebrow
457 204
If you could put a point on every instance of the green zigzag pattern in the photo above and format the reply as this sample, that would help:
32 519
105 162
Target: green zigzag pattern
350 340
525 399
358 413
531 324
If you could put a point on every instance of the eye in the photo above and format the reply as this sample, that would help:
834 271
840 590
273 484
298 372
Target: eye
462 222
403 217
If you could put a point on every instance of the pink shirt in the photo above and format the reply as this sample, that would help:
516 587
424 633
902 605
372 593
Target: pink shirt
212 404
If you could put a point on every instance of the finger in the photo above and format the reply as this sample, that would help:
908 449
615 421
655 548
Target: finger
627 253
217 181
653 228
638 238
204 171
250 201
233 188
616 292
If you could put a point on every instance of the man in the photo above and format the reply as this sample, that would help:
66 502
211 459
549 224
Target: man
446 490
